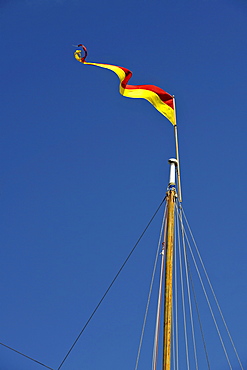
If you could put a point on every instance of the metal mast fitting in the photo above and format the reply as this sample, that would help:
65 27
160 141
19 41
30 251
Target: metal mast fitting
168 246
177 153
172 180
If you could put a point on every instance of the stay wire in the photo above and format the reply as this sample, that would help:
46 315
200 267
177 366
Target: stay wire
188 290
181 241
149 294
193 289
161 281
199 318
30 358
207 297
111 284
212 290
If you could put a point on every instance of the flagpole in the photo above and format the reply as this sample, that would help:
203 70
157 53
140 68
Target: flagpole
177 153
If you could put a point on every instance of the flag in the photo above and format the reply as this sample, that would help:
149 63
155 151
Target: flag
160 99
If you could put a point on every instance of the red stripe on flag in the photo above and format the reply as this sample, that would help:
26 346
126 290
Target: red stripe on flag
164 96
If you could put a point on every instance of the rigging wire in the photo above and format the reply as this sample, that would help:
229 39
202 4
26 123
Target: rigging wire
188 288
175 332
188 273
189 284
199 317
149 293
174 302
110 286
96 308
212 290
30 358
158 314
208 302
183 303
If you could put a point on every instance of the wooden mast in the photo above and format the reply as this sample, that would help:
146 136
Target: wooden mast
168 245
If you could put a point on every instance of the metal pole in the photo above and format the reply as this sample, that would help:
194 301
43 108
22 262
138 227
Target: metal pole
177 154
169 242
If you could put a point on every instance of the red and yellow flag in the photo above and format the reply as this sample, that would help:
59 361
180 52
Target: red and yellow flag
160 99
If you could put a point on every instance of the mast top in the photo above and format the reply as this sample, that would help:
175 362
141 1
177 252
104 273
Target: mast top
172 180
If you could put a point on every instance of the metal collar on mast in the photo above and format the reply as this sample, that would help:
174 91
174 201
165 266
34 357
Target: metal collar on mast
172 179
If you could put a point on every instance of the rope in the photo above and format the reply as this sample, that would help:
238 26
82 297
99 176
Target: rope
109 287
158 315
199 318
212 290
174 302
149 294
208 302
188 290
183 303
176 294
30 358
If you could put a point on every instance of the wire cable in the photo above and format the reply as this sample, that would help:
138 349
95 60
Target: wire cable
183 298
212 290
30 358
149 294
199 317
208 301
174 303
109 287
161 281
188 290
176 367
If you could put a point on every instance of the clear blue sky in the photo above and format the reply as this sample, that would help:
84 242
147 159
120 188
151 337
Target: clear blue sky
83 169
